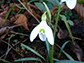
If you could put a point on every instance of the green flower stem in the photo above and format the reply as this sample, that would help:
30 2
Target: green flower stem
66 23
51 53
80 1
57 20
51 49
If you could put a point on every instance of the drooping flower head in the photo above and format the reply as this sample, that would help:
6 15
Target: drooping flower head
70 3
44 31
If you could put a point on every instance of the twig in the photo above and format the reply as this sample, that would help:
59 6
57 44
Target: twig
10 48
18 33
16 25
29 11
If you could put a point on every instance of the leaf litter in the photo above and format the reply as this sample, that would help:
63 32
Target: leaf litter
26 22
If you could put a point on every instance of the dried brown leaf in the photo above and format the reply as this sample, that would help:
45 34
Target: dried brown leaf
76 49
5 30
5 7
3 14
2 21
62 33
14 9
2 17
3 36
79 9
20 20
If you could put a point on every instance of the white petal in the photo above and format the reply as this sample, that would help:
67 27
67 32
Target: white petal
49 34
42 24
42 36
34 32
71 3
63 0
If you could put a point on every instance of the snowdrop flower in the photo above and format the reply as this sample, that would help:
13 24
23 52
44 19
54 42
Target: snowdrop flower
44 31
70 3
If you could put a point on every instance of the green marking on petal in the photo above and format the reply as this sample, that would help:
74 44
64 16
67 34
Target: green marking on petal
42 30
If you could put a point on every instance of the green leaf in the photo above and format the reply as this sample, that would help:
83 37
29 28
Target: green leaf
40 6
70 58
68 13
70 22
62 48
56 2
63 17
22 36
9 13
15 40
66 23
5 61
49 4
68 61
28 48
47 46
36 0
80 1
28 59
55 59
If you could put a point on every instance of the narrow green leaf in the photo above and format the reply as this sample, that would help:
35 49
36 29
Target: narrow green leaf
47 46
70 58
35 1
5 61
66 23
80 1
68 61
62 48
28 59
28 48
56 2
55 59
9 13
40 6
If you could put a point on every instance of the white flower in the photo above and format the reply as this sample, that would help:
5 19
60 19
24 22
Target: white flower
70 3
44 32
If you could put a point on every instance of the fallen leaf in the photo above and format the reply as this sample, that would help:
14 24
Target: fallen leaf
2 17
5 7
79 9
5 30
22 19
76 49
3 36
62 34
3 14
2 21
16 8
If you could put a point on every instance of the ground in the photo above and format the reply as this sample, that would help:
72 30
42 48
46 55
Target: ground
13 32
